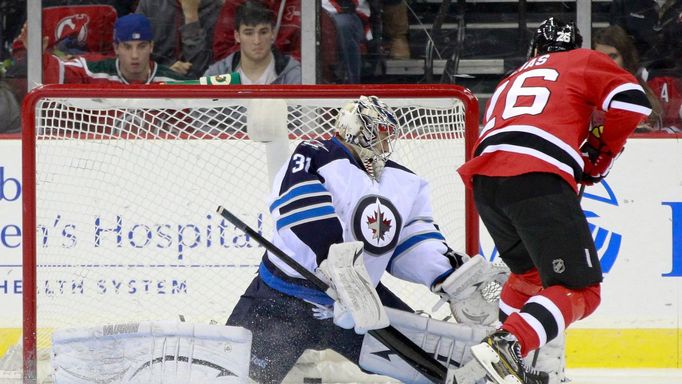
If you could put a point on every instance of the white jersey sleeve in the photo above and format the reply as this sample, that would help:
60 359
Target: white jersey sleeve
419 256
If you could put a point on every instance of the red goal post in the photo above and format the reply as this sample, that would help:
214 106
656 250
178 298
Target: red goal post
120 187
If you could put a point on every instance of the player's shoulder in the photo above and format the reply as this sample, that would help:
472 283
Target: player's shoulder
393 165
594 56
575 57
591 63
322 150
317 147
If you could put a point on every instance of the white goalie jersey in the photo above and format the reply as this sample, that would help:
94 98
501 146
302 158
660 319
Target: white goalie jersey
323 196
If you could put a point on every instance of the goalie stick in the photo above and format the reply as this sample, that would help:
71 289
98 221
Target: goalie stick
389 336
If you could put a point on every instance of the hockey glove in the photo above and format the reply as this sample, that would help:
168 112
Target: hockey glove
473 291
597 157
357 303
597 164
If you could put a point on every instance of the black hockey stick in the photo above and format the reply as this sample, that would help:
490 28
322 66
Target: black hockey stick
398 343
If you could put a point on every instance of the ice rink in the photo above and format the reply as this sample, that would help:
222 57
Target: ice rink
625 376
327 367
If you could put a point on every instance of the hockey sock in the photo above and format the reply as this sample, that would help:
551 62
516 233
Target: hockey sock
547 314
517 290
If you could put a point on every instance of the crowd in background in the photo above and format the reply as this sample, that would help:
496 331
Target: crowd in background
150 41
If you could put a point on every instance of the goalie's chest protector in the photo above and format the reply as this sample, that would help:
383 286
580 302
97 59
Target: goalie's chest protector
370 211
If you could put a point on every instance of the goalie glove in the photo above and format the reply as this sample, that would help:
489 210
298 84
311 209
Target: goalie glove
597 157
357 303
473 291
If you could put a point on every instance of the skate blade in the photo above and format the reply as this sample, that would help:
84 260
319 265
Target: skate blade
486 357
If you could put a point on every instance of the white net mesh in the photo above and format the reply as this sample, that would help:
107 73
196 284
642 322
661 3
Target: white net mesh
127 191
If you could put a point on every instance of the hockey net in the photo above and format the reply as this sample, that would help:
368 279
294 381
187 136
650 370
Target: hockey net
121 188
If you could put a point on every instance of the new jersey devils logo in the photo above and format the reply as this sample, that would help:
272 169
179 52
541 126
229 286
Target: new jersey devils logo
377 223
291 12
73 26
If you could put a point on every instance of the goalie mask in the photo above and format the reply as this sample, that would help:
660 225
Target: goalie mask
371 127
553 35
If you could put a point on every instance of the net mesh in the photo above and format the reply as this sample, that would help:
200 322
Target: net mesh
127 191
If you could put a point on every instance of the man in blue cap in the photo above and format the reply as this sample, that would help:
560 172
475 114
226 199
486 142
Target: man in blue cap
133 46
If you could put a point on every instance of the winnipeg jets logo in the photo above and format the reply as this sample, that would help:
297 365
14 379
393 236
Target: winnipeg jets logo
291 12
377 223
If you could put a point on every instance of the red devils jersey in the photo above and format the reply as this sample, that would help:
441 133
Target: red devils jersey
539 116
90 29
669 91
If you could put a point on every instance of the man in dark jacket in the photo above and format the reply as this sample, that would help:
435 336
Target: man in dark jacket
648 21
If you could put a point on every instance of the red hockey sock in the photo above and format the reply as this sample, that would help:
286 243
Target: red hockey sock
517 290
549 313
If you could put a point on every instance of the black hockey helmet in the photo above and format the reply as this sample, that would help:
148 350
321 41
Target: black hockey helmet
553 35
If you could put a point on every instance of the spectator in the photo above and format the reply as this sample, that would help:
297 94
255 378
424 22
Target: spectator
666 81
396 27
287 28
10 117
13 17
615 42
351 19
133 46
183 30
257 61
647 21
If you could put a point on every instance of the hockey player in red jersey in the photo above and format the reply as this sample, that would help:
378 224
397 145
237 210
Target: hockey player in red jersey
535 147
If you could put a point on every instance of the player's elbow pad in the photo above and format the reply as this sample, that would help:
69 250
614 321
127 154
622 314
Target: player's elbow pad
634 100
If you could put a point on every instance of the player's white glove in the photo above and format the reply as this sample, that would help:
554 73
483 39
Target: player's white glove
473 291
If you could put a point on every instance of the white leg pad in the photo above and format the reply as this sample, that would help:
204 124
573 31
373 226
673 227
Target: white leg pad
470 373
155 352
447 342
